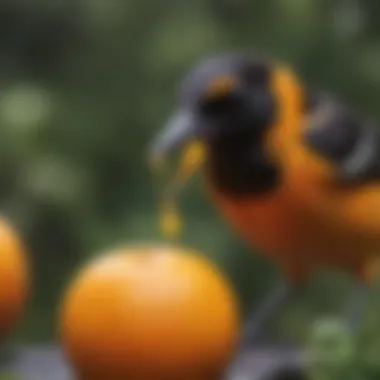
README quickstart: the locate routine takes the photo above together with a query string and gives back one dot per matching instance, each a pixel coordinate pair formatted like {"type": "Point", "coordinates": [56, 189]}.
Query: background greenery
{"type": "Point", "coordinates": [86, 83]}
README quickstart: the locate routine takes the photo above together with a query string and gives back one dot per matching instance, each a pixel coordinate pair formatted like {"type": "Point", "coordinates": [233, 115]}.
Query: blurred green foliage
{"type": "Point", "coordinates": [86, 84]}
{"type": "Point", "coordinates": [7, 376]}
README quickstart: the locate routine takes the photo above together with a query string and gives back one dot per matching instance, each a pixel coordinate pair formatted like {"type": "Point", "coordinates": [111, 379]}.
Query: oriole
{"type": "Point", "coordinates": [292, 171]}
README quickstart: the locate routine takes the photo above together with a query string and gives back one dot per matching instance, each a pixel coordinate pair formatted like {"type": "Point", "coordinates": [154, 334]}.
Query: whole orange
{"type": "Point", "coordinates": [14, 277]}
{"type": "Point", "coordinates": [149, 312]}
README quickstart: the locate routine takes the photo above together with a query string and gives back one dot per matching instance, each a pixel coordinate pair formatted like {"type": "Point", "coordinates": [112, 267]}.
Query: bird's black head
{"type": "Point", "coordinates": [225, 97]}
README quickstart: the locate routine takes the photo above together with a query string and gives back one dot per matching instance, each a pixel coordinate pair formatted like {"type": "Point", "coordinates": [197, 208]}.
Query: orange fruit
{"type": "Point", "coordinates": [149, 312]}
{"type": "Point", "coordinates": [14, 277]}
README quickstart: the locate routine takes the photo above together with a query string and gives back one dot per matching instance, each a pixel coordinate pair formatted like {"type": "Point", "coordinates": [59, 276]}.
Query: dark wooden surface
{"type": "Point", "coordinates": [264, 363]}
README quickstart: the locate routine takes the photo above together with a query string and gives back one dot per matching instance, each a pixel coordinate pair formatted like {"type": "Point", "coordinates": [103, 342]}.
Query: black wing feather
{"type": "Point", "coordinates": [351, 144]}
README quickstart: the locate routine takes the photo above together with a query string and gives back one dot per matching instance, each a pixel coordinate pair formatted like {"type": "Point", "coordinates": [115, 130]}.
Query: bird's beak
{"type": "Point", "coordinates": [178, 131]}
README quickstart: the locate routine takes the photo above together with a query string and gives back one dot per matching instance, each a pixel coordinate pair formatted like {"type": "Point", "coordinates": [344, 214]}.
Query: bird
{"type": "Point", "coordinates": [294, 172]}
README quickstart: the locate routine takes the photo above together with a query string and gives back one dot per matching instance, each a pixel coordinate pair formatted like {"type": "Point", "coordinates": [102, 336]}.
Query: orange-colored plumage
{"type": "Point", "coordinates": [303, 224]}
{"type": "Point", "coordinates": [276, 157]}
{"type": "Point", "coordinates": [299, 240]}
{"type": "Point", "coordinates": [306, 222]}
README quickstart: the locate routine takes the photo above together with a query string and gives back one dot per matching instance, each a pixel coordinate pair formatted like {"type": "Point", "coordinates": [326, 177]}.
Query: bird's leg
{"type": "Point", "coordinates": [280, 295]}
{"type": "Point", "coordinates": [256, 321]}
{"type": "Point", "coordinates": [354, 314]}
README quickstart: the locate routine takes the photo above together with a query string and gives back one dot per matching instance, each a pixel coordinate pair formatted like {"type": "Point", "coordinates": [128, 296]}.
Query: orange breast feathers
{"type": "Point", "coordinates": [300, 240]}
{"type": "Point", "coordinates": [268, 223]}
